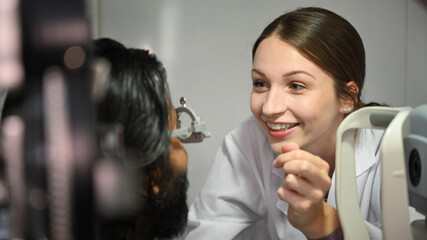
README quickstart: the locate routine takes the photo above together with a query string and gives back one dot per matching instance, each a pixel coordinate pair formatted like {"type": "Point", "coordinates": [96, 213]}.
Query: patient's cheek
{"type": "Point", "coordinates": [178, 155]}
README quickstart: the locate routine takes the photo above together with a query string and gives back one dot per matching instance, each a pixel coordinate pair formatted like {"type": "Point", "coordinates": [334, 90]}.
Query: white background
{"type": "Point", "coordinates": [206, 49]}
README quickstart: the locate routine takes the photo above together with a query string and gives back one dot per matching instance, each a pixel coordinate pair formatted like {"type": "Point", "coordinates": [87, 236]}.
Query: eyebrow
{"type": "Point", "coordinates": [298, 72]}
{"type": "Point", "coordinates": [258, 72]}
{"type": "Point", "coordinates": [289, 74]}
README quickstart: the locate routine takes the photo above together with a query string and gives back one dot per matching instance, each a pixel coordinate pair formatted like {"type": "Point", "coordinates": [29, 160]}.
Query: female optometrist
{"type": "Point", "coordinates": [278, 165]}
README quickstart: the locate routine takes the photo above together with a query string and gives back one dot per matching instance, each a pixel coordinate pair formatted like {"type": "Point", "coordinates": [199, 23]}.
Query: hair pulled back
{"type": "Point", "coordinates": [329, 41]}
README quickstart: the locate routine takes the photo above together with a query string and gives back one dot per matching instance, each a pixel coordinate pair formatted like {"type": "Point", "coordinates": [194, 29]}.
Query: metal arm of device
{"type": "Point", "coordinates": [191, 134]}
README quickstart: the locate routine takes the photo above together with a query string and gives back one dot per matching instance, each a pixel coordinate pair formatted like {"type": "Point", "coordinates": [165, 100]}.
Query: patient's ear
{"type": "Point", "coordinates": [150, 184]}
{"type": "Point", "coordinates": [149, 187]}
{"type": "Point", "coordinates": [349, 101]}
{"type": "Point", "coordinates": [155, 188]}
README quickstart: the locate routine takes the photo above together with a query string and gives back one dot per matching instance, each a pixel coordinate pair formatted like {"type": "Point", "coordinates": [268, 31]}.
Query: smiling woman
{"type": "Point", "coordinates": [294, 97]}
{"type": "Point", "coordinates": [308, 70]}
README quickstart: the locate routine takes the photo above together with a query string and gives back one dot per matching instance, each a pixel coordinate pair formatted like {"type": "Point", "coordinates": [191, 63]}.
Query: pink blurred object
{"type": "Point", "coordinates": [11, 70]}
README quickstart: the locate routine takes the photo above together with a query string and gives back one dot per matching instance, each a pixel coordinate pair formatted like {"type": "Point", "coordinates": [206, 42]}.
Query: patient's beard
{"type": "Point", "coordinates": [165, 216]}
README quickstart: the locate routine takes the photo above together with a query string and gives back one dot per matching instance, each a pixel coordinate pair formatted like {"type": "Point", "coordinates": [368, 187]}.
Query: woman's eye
{"type": "Point", "coordinates": [259, 84]}
{"type": "Point", "coordinates": [296, 87]}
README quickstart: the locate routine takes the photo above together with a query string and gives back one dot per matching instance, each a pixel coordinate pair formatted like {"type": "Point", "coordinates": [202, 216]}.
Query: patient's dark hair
{"type": "Point", "coordinates": [136, 96]}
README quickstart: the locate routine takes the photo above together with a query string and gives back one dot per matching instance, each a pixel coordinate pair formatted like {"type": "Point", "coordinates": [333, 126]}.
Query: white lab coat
{"type": "Point", "coordinates": [241, 188]}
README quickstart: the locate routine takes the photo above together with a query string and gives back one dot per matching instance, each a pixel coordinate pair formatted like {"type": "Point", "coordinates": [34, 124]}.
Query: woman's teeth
{"type": "Point", "coordinates": [281, 126]}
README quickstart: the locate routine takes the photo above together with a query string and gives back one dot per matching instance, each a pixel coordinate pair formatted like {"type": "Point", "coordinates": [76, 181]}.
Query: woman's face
{"type": "Point", "coordinates": [293, 99]}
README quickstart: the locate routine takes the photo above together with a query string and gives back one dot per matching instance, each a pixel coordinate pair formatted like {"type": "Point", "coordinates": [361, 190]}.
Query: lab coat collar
{"type": "Point", "coordinates": [366, 149]}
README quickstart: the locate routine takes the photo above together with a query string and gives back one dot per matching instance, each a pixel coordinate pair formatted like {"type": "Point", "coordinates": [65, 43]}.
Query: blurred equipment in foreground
{"type": "Point", "coordinates": [56, 176]}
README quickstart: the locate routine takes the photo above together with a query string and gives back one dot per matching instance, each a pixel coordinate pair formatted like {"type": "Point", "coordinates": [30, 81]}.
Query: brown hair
{"type": "Point", "coordinates": [329, 41]}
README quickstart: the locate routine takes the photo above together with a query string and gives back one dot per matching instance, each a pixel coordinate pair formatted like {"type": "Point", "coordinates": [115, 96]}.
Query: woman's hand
{"type": "Point", "coordinates": [306, 183]}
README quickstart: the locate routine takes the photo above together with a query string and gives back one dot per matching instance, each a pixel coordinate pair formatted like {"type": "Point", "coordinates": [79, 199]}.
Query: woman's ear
{"type": "Point", "coordinates": [348, 101]}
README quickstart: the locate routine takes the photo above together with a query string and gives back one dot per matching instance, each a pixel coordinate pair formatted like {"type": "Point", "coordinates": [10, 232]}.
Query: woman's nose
{"type": "Point", "coordinates": [275, 102]}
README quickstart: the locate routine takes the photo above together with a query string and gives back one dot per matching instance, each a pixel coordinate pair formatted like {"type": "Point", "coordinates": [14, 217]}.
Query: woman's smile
{"type": "Point", "coordinates": [280, 130]}
{"type": "Point", "coordinates": [281, 133]}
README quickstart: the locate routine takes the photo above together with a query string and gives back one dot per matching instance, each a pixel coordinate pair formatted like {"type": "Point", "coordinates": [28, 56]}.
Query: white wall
{"type": "Point", "coordinates": [416, 65]}
{"type": "Point", "coordinates": [206, 48]}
